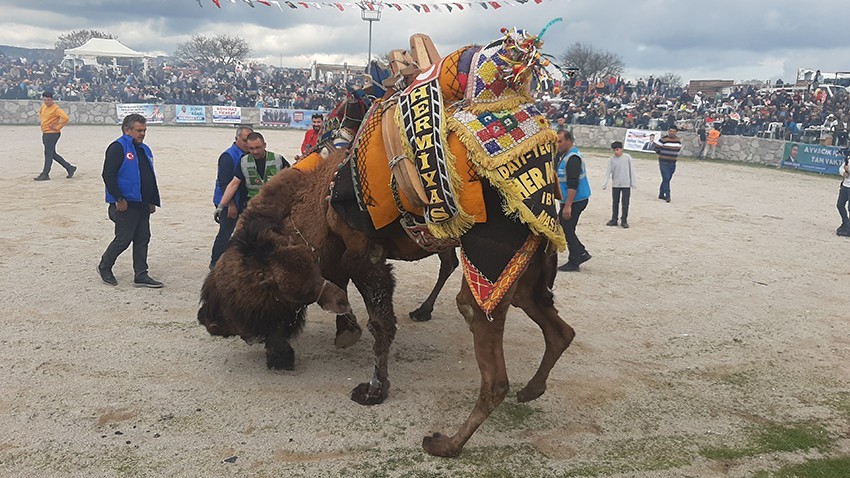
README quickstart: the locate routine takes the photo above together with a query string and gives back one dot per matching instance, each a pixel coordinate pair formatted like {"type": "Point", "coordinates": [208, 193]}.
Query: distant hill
{"type": "Point", "coordinates": [32, 54]}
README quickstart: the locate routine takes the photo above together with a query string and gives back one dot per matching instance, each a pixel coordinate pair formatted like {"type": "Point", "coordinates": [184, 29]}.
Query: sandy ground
{"type": "Point", "coordinates": [714, 315]}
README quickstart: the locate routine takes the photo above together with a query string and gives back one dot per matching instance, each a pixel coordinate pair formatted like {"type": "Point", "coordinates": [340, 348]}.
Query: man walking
{"type": "Point", "coordinates": [228, 163]}
{"type": "Point", "coordinates": [667, 148]}
{"type": "Point", "coordinates": [133, 195]}
{"type": "Point", "coordinates": [53, 119]}
{"type": "Point", "coordinates": [575, 191]}
{"type": "Point", "coordinates": [255, 170]}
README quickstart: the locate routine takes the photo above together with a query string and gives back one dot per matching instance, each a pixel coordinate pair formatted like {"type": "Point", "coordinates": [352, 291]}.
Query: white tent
{"type": "Point", "coordinates": [87, 53]}
{"type": "Point", "coordinates": [107, 47]}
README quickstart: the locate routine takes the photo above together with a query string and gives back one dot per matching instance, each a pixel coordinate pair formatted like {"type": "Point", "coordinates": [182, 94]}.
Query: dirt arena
{"type": "Point", "coordinates": [712, 339]}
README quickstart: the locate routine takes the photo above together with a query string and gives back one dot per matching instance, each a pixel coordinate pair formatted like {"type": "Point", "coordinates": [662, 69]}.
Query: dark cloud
{"type": "Point", "coordinates": [721, 39]}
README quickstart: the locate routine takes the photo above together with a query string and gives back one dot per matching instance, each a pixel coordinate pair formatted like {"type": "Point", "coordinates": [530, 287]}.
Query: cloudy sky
{"type": "Point", "coordinates": [720, 39]}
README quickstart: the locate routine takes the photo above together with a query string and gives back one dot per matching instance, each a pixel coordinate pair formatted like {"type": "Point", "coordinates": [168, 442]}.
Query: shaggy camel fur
{"type": "Point", "coordinates": [296, 202]}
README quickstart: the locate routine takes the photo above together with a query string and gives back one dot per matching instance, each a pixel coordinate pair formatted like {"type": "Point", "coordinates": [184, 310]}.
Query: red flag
{"type": "Point", "coordinates": [425, 7]}
{"type": "Point", "coordinates": [339, 5]}
{"type": "Point", "coordinates": [216, 3]}
{"type": "Point", "coordinates": [538, 1]}
{"type": "Point", "coordinates": [495, 5]}
{"type": "Point", "coordinates": [265, 2]}
{"type": "Point", "coordinates": [459, 6]}
{"type": "Point", "coordinates": [303, 4]}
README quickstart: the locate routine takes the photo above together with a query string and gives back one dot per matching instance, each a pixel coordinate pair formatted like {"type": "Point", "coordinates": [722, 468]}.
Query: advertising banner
{"type": "Point", "coordinates": [288, 118]}
{"type": "Point", "coordinates": [641, 139]}
{"type": "Point", "coordinates": [227, 114]}
{"type": "Point", "coordinates": [812, 157]}
{"type": "Point", "coordinates": [190, 114]}
{"type": "Point", "coordinates": [152, 113]}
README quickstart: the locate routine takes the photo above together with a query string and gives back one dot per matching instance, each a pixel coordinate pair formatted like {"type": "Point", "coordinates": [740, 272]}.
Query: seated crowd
{"type": "Point", "coordinates": [252, 85]}
{"type": "Point", "coordinates": [646, 104]}
{"type": "Point", "coordinates": [747, 110]}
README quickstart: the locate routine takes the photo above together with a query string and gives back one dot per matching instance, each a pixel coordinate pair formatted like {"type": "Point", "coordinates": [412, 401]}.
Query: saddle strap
{"type": "Point", "coordinates": [418, 230]}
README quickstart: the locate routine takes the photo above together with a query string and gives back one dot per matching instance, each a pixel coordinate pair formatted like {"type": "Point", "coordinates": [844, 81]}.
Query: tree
{"type": "Point", "coordinates": [592, 63]}
{"type": "Point", "coordinates": [223, 49]}
{"type": "Point", "coordinates": [671, 79]}
{"type": "Point", "coordinates": [78, 37]}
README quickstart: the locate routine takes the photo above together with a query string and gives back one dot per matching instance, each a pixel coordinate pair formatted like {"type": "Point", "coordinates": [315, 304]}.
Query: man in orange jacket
{"type": "Point", "coordinates": [53, 119]}
{"type": "Point", "coordinates": [712, 140]}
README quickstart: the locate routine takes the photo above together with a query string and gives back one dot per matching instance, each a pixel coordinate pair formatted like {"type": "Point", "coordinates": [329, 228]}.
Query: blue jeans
{"type": "Point", "coordinates": [667, 168]}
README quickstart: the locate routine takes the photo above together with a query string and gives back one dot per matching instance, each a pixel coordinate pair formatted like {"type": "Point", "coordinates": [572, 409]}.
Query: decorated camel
{"type": "Point", "coordinates": [459, 157]}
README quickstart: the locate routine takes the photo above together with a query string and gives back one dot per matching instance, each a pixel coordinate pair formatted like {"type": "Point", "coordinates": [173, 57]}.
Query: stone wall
{"type": "Point", "coordinates": [26, 112]}
{"type": "Point", "coordinates": [732, 148]}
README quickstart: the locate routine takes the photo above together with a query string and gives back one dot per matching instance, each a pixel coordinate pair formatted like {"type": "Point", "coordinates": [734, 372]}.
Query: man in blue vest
{"type": "Point", "coordinates": [132, 195]}
{"type": "Point", "coordinates": [228, 163]}
{"type": "Point", "coordinates": [575, 191]}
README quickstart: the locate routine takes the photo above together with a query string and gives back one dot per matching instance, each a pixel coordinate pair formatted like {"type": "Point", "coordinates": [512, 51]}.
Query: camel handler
{"type": "Point", "coordinates": [255, 169]}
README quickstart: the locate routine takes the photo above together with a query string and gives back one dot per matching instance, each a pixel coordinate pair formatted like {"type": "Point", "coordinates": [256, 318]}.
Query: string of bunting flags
{"type": "Point", "coordinates": [378, 5]}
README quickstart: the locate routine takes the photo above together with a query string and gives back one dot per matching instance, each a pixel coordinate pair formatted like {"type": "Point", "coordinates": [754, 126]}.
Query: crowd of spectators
{"type": "Point", "coordinates": [783, 113]}
{"type": "Point", "coordinates": [248, 85]}
{"type": "Point", "coordinates": [804, 113]}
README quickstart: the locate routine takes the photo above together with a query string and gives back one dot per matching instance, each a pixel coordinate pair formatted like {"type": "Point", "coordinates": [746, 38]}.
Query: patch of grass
{"type": "Point", "coordinates": [650, 453]}
{"type": "Point", "coordinates": [774, 438]}
{"type": "Point", "coordinates": [512, 415]}
{"type": "Point", "coordinates": [820, 468]}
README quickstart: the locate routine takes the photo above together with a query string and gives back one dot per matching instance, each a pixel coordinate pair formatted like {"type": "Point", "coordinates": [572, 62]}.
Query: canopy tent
{"type": "Point", "coordinates": [107, 47]}
{"type": "Point", "coordinates": [88, 53]}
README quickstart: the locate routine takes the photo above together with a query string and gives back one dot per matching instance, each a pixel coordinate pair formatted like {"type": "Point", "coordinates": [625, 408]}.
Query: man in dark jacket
{"type": "Point", "coordinates": [132, 195]}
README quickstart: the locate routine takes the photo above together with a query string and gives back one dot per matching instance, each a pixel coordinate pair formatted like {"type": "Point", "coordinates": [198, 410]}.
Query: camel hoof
{"type": "Point", "coordinates": [439, 445]}
{"type": "Point", "coordinates": [348, 331]}
{"type": "Point", "coordinates": [420, 315]}
{"type": "Point", "coordinates": [347, 338]}
{"type": "Point", "coordinates": [280, 359]}
{"type": "Point", "coordinates": [365, 394]}
{"type": "Point", "coordinates": [527, 394]}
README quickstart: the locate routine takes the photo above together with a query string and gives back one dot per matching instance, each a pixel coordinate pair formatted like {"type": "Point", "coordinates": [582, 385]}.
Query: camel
{"type": "Point", "coordinates": [502, 240]}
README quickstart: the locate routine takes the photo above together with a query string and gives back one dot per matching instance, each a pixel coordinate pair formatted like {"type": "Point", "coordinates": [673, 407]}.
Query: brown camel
{"type": "Point", "coordinates": [293, 209]}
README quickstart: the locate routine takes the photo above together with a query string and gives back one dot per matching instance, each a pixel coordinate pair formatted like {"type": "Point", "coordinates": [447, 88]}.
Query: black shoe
{"type": "Point", "coordinates": [843, 232]}
{"type": "Point", "coordinates": [71, 171]}
{"type": "Point", "coordinates": [41, 177]}
{"type": "Point", "coordinates": [147, 281]}
{"type": "Point", "coordinates": [584, 257]}
{"type": "Point", "coordinates": [624, 224]}
{"type": "Point", "coordinates": [612, 222]}
{"type": "Point", "coordinates": [106, 276]}
{"type": "Point", "coordinates": [667, 199]}
{"type": "Point", "coordinates": [569, 267]}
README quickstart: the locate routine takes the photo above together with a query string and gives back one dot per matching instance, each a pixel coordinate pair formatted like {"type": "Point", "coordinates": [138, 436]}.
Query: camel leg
{"type": "Point", "coordinates": [489, 353]}
{"type": "Point", "coordinates": [375, 283]}
{"type": "Point", "coordinates": [279, 353]}
{"type": "Point", "coordinates": [534, 297]}
{"type": "Point", "coordinates": [448, 263]}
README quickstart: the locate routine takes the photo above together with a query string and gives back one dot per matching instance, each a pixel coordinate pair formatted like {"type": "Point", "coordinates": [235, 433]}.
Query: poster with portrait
{"type": "Point", "coordinates": [288, 118]}
{"type": "Point", "coordinates": [187, 114]}
{"type": "Point", "coordinates": [227, 114]}
{"type": "Point", "coordinates": [812, 157]}
{"type": "Point", "coordinates": [152, 113]}
{"type": "Point", "coordinates": [641, 139]}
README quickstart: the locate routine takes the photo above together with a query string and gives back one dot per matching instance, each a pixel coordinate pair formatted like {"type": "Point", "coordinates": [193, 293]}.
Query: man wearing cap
{"type": "Point", "coordinates": [53, 119]}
